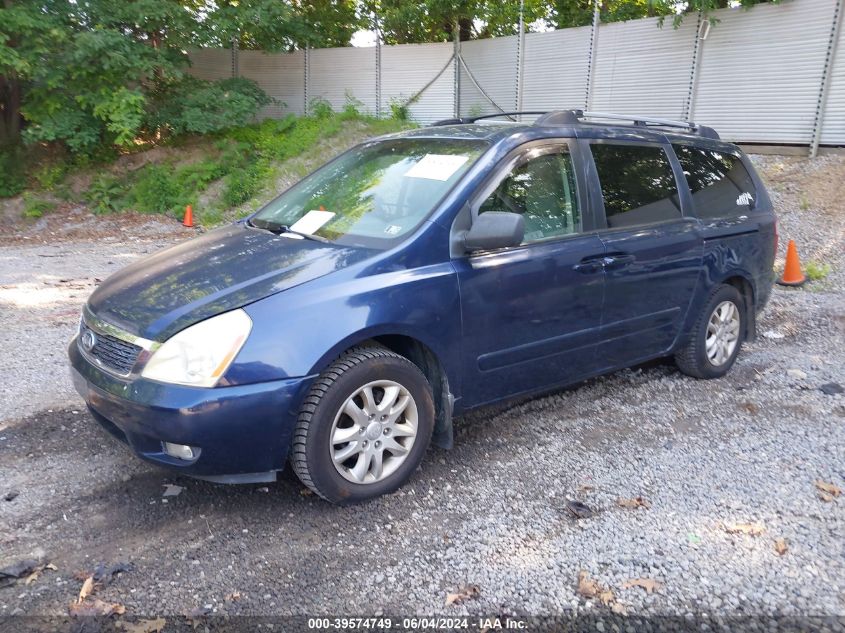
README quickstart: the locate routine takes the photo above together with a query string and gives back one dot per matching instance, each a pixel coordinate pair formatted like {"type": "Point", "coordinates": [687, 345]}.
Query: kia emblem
{"type": "Point", "coordinates": [89, 340]}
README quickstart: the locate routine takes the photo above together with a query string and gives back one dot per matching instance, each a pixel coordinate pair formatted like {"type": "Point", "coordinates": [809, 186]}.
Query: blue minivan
{"type": "Point", "coordinates": [421, 275]}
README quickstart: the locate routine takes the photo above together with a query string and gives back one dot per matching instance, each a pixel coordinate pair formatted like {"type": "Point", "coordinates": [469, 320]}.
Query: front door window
{"type": "Point", "coordinates": [542, 190]}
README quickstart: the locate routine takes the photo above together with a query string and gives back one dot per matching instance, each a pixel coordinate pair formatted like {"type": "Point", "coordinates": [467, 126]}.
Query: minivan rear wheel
{"type": "Point", "coordinates": [364, 426]}
{"type": "Point", "coordinates": [716, 337]}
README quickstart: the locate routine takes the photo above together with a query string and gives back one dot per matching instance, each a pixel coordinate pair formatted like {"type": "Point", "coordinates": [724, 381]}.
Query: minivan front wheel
{"type": "Point", "coordinates": [364, 426]}
{"type": "Point", "coordinates": [717, 336]}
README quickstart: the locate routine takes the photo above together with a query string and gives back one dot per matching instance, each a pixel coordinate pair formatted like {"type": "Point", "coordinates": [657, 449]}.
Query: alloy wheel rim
{"type": "Point", "coordinates": [373, 432]}
{"type": "Point", "coordinates": [722, 333]}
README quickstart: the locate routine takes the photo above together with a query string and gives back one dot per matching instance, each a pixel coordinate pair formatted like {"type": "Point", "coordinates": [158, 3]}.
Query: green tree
{"type": "Point", "coordinates": [92, 73]}
{"type": "Point", "coordinates": [568, 13]}
{"type": "Point", "coordinates": [404, 22]}
{"type": "Point", "coordinates": [275, 25]}
{"type": "Point", "coordinates": [434, 20]}
{"type": "Point", "coordinates": [29, 32]}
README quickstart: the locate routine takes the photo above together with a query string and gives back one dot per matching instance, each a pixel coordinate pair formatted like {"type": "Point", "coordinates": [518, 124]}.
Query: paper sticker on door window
{"type": "Point", "coordinates": [436, 166]}
{"type": "Point", "coordinates": [393, 229]}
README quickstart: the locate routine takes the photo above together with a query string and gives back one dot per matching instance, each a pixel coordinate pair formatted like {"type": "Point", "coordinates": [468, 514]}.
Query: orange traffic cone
{"type": "Point", "coordinates": [189, 217]}
{"type": "Point", "coordinates": [792, 275]}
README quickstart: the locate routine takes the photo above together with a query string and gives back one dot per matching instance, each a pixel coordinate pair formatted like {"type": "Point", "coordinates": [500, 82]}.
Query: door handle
{"type": "Point", "coordinates": [618, 261]}
{"type": "Point", "coordinates": [589, 265]}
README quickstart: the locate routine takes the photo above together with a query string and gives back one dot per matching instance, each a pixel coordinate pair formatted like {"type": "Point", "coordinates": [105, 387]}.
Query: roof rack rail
{"type": "Point", "coordinates": [564, 117]}
{"type": "Point", "coordinates": [473, 119]}
{"type": "Point", "coordinates": [569, 117]}
{"type": "Point", "coordinates": [639, 120]}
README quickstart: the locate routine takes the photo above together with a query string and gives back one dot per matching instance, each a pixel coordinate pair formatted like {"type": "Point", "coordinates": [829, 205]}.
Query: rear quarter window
{"type": "Point", "coordinates": [720, 184]}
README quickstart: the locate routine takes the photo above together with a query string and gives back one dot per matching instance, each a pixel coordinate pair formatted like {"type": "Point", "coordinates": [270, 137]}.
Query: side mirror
{"type": "Point", "coordinates": [495, 229]}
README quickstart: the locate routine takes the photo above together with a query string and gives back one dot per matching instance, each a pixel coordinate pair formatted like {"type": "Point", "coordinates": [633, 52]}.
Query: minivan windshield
{"type": "Point", "coordinates": [373, 195]}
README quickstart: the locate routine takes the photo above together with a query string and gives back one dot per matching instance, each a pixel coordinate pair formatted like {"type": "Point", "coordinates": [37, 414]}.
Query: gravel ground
{"type": "Point", "coordinates": [492, 514]}
{"type": "Point", "coordinates": [42, 289]}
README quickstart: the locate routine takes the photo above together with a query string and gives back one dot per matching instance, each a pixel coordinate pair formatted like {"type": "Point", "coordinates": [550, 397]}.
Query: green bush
{"type": "Point", "coordinates": [58, 119]}
{"type": "Point", "coordinates": [242, 184]}
{"type": "Point", "coordinates": [320, 108]}
{"type": "Point", "coordinates": [12, 179]}
{"type": "Point", "coordinates": [157, 190]}
{"type": "Point", "coordinates": [268, 139]}
{"type": "Point", "coordinates": [105, 194]}
{"type": "Point", "coordinates": [195, 178]}
{"type": "Point", "coordinates": [192, 105]}
{"type": "Point", "coordinates": [475, 110]}
{"type": "Point", "coordinates": [36, 207]}
{"type": "Point", "coordinates": [50, 176]}
{"type": "Point", "coordinates": [399, 109]}
{"type": "Point", "coordinates": [352, 108]}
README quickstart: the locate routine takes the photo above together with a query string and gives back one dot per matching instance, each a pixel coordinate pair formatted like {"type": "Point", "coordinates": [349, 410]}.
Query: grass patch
{"type": "Point", "coordinates": [35, 208]}
{"type": "Point", "coordinates": [816, 271]}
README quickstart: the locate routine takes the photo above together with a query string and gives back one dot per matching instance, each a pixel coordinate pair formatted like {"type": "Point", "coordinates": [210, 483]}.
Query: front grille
{"type": "Point", "coordinates": [112, 352]}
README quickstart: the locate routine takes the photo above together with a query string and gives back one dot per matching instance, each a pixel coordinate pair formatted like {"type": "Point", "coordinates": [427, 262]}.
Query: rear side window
{"type": "Point", "coordinates": [720, 184]}
{"type": "Point", "coordinates": [637, 184]}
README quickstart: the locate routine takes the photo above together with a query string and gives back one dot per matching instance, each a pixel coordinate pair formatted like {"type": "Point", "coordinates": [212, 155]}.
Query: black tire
{"type": "Point", "coordinates": [692, 359]}
{"type": "Point", "coordinates": [310, 456]}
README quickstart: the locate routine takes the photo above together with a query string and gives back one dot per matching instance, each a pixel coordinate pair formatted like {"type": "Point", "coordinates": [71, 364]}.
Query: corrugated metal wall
{"type": "Point", "coordinates": [492, 63]}
{"type": "Point", "coordinates": [756, 77]}
{"type": "Point", "coordinates": [760, 72]}
{"type": "Point", "coordinates": [334, 73]}
{"type": "Point", "coordinates": [643, 69]}
{"type": "Point", "coordinates": [554, 69]}
{"type": "Point", "coordinates": [280, 76]}
{"type": "Point", "coordinates": [833, 128]}
{"type": "Point", "coordinates": [211, 64]}
{"type": "Point", "coordinates": [407, 68]}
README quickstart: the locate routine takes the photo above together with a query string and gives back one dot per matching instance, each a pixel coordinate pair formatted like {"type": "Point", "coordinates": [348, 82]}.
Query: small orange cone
{"type": "Point", "coordinates": [189, 217]}
{"type": "Point", "coordinates": [792, 275]}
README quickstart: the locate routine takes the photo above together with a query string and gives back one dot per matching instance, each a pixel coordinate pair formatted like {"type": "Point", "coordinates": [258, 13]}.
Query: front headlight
{"type": "Point", "coordinates": [200, 354]}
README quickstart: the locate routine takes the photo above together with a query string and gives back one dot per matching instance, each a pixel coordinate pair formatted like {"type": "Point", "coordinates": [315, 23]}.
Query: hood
{"type": "Point", "coordinates": [222, 270]}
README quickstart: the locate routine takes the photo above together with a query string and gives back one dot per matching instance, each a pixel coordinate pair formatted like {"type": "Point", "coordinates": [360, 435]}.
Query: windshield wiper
{"type": "Point", "coordinates": [278, 229]}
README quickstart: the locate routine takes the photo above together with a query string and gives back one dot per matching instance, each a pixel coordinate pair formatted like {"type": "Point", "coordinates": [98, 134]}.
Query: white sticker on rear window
{"type": "Point", "coordinates": [744, 199]}
{"type": "Point", "coordinates": [436, 166]}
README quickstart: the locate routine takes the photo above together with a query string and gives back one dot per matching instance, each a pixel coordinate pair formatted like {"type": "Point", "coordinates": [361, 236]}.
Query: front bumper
{"type": "Point", "coordinates": [242, 433]}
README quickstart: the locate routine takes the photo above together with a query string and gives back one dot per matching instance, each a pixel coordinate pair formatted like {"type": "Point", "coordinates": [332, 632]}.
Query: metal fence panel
{"type": "Point", "coordinates": [334, 73]}
{"type": "Point", "coordinates": [492, 63]}
{"type": "Point", "coordinates": [643, 69]}
{"type": "Point", "coordinates": [280, 75]}
{"type": "Point", "coordinates": [554, 71]}
{"type": "Point", "coordinates": [211, 64]}
{"type": "Point", "coordinates": [407, 68]}
{"type": "Point", "coordinates": [833, 128]}
{"type": "Point", "coordinates": [757, 78]}
{"type": "Point", "coordinates": [760, 71]}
